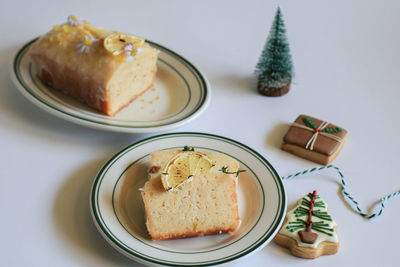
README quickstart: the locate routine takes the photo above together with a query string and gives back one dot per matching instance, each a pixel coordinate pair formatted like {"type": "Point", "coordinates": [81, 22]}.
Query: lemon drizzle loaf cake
{"type": "Point", "coordinates": [104, 69]}
{"type": "Point", "coordinates": [190, 193]}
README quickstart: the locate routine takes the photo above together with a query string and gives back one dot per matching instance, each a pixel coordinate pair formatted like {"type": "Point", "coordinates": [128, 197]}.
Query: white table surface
{"type": "Point", "coordinates": [346, 58]}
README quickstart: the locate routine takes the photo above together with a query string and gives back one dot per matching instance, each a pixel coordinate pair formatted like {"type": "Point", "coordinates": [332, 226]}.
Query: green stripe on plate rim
{"type": "Point", "coordinates": [230, 258]}
{"type": "Point", "coordinates": [145, 258]}
{"type": "Point", "coordinates": [197, 147]}
{"type": "Point", "coordinates": [200, 79]}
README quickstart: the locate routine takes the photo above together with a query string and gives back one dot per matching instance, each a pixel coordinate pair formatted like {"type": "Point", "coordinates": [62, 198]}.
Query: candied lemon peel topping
{"type": "Point", "coordinates": [186, 164]}
{"type": "Point", "coordinates": [117, 42]}
{"type": "Point", "coordinates": [114, 42]}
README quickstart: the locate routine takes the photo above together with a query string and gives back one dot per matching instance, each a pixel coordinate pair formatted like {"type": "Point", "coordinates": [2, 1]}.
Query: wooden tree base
{"type": "Point", "coordinates": [271, 91]}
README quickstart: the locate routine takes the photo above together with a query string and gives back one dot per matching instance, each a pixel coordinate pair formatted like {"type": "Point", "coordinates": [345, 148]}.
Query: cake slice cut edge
{"type": "Point", "coordinates": [206, 204]}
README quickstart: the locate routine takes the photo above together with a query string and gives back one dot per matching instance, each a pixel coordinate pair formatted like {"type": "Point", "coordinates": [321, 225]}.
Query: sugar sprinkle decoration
{"type": "Point", "coordinates": [85, 44]}
{"type": "Point", "coordinates": [353, 203]}
{"type": "Point", "coordinates": [74, 21]}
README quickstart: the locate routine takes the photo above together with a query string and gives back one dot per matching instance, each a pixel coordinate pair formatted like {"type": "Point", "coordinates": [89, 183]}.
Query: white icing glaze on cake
{"type": "Point", "coordinates": [73, 58]}
{"type": "Point", "coordinates": [291, 217]}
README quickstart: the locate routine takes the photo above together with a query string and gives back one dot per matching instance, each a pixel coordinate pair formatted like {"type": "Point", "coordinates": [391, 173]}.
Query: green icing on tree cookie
{"type": "Point", "coordinates": [311, 207]}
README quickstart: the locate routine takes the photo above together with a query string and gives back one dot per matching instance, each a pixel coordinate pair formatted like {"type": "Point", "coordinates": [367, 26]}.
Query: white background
{"type": "Point", "coordinates": [346, 57]}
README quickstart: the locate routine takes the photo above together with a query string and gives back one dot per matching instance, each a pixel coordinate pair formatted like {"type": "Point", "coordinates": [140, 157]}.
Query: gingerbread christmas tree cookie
{"type": "Point", "coordinates": [309, 230]}
{"type": "Point", "coordinates": [314, 139]}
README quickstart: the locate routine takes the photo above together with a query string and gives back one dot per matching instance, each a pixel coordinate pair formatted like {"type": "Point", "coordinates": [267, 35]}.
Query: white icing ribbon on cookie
{"type": "Point", "coordinates": [311, 142]}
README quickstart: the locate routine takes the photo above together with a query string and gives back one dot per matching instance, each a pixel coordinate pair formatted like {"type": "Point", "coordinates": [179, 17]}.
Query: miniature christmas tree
{"type": "Point", "coordinates": [275, 68]}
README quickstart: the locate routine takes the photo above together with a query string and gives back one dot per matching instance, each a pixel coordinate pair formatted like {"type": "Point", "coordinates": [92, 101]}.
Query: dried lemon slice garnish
{"type": "Point", "coordinates": [183, 166]}
{"type": "Point", "coordinates": [116, 42]}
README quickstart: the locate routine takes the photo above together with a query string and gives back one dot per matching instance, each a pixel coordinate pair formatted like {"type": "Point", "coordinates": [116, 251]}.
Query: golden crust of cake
{"type": "Point", "coordinates": [207, 204]}
{"type": "Point", "coordinates": [85, 70]}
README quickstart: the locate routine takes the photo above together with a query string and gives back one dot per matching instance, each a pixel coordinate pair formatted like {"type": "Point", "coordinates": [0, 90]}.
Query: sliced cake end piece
{"type": "Point", "coordinates": [205, 204]}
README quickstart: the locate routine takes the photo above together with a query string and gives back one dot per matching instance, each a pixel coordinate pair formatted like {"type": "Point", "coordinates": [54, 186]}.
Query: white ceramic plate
{"type": "Point", "coordinates": [180, 94]}
{"type": "Point", "coordinates": [118, 212]}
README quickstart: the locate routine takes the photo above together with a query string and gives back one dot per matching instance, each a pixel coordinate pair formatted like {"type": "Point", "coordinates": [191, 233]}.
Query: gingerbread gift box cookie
{"type": "Point", "coordinates": [309, 230]}
{"type": "Point", "coordinates": [314, 139]}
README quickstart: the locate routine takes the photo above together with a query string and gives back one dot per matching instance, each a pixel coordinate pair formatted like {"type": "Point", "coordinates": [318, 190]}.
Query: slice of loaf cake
{"type": "Point", "coordinates": [104, 69]}
{"type": "Point", "coordinates": [205, 204]}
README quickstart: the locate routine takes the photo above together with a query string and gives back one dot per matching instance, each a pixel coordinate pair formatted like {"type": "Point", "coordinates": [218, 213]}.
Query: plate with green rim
{"type": "Point", "coordinates": [118, 212]}
{"type": "Point", "coordinates": [180, 94]}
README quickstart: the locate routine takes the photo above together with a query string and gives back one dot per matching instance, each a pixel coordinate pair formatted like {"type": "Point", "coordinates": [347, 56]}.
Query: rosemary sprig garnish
{"type": "Point", "coordinates": [188, 148]}
{"type": "Point", "coordinates": [225, 170]}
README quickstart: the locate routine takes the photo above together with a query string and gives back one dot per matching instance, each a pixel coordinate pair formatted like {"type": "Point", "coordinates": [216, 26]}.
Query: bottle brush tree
{"type": "Point", "coordinates": [275, 68]}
